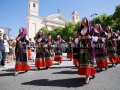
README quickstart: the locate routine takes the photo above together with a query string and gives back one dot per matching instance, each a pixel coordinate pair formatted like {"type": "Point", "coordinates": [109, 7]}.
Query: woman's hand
{"type": "Point", "coordinates": [89, 37]}
{"type": "Point", "coordinates": [100, 38]}
{"type": "Point", "coordinates": [79, 37]}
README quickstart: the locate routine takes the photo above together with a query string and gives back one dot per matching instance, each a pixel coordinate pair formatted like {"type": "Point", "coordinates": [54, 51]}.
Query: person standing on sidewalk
{"type": "Point", "coordinates": [2, 53]}
{"type": "Point", "coordinates": [10, 53]}
{"type": "Point", "coordinates": [6, 50]}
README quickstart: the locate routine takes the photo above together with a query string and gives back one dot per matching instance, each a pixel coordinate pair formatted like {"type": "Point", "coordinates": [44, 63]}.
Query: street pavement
{"type": "Point", "coordinates": [57, 77]}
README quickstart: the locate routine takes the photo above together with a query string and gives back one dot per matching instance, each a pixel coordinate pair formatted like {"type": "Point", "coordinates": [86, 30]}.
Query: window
{"type": "Point", "coordinates": [73, 17]}
{"type": "Point", "coordinates": [34, 5]}
{"type": "Point", "coordinates": [76, 17]}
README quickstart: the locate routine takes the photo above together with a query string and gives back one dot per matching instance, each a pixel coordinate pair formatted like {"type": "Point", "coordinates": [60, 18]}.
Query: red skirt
{"type": "Point", "coordinates": [22, 66]}
{"type": "Point", "coordinates": [58, 58]}
{"type": "Point", "coordinates": [75, 62]}
{"type": "Point", "coordinates": [102, 64]}
{"type": "Point", "coordinates": [118, 59]}
{"type": "Point", "coordinates": [113, 59]}
{"type": "Point", "coordinates": [70, 56]}
{"type": "Point", "coordinates": [49, 62]}
{"type": "Point", "coordinates": [29, 54]}
{"type": "Point", "coordinates": [40, 63]}
{"type": "Point", "coordinates": [86, 70]}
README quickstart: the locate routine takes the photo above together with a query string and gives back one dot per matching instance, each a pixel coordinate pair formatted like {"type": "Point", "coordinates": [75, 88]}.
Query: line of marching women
{"type": "Point", "coordinates": [47, 50]}
{"type": "Point", "coordinates": [90, 44]}
{"type": "Point", "coordinates": [94, 43]}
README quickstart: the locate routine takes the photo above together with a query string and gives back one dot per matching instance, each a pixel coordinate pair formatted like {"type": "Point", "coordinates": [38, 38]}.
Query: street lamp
{"type": "Point", "coordinates": [95, 14]}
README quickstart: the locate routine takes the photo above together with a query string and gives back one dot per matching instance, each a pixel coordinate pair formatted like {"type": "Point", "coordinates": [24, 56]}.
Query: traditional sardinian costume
{"type": "Point", "coordinates": [58, 51]}
{"type": "Point", "coordinates": [21, 52]}
{"type": "Point", "coordinates": [40, 52]}
{"type": "Point", "coordinates": [86, 51]}
{"type": "Point", "coordinates": [101, 59]}
{"type": "Point", "coordinates": [75, 51]}
{"type": "Point", "coordinates": [70, 50]}
{"type": "Point", "coordinates": [118, 48]}
{"type": "Point", "coordinates": [49, 53]}
{"type": "Point", "coordinates": [111, 47]}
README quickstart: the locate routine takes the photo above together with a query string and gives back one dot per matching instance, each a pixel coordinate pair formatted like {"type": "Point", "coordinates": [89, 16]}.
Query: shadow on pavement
{"type": "Point", "coordinates": [66, 72]}
{"type": "Point", "coordinates": [9, 70]}
{"type": "Point", "coordinates": [70, 82]}
{"type": "Point", "coordinates": [6, 74]}
{"type": "Point", "coordinates": [67, 60]}
{"type": "Point", "coordinates": [61, 67]}
{"type": "Point", "coordinates": [9, 74]}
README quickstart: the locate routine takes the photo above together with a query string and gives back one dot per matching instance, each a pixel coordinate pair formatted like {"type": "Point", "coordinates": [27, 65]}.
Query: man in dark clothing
{"type": "Point", "coordinates": [2, 51]}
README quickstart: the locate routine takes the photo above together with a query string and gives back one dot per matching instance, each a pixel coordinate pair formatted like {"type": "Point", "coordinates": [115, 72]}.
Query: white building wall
{"type": "Point", "coordinates": [5, 31]}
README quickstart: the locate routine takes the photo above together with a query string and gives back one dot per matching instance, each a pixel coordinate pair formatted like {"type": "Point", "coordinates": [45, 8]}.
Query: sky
{"type": "Point", "coordinates": [13, 12]}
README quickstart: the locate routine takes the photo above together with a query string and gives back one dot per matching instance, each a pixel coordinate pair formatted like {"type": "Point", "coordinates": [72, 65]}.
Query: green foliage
{"type": "Point", "coordinates": [66, 32]}
{"type": "Point", "coordinates": [109, 20]}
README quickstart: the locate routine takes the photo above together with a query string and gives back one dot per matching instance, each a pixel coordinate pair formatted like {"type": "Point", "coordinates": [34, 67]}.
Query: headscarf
{"type": "Point", "coordinates": [43, 35]}
{"type": "Point", "coordinates": [111, 31]}
{"type": "Point", "coordinates": [88, 24]}
{"type": "Point", "coordinates": [60, 39]}
{"type": "Point", "coordinates": [24, 33]}
{"type": "Point", "coordinates": [100, 29]}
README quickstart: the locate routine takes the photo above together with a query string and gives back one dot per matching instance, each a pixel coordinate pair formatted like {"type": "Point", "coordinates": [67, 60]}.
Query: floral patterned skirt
{"type": "Point", "coordinates": [21, 65]}
{"type": "Point", "coordinates": [86, 66]}
{"type": "Point", "coordinates": [70, 53]}
{"type": "Point", "coordinates": [101, 60]}
{"type": "Point", "coordinates": [58, 56]}
{"type": "Point", "coordinates": [75, 56]}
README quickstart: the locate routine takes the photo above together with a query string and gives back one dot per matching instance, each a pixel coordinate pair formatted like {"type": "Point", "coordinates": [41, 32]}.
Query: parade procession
{"type": "Point", "coordinates": [90, 46]}
{"type": "Point", "coordinates": [41, 49]}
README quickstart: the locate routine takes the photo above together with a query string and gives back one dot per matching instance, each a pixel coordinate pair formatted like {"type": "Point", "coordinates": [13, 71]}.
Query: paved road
{"type": "Point", "coordinates": [58, 77]}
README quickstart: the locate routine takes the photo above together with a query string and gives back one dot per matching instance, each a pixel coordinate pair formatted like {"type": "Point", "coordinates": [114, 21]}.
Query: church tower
{"type": "Point", "coordinates": [32, 19]}
{"type": "Point", "coordinates": [33, 7]}
{"type": "Point", "coordinates": [75, 17]}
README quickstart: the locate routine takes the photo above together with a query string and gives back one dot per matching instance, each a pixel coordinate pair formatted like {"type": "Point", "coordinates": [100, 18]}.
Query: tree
{"type": "Point", "coordinates": [55, 32]}
{"type": "Point", "coordinates": [104, 20]}
{"type": "Point", "coordinates": [45, 30]}
{"type": "Point", "coordinates": [77, 26]}
{"type": "Point", "coordinates": [68, 31]}
{"type": "Point", "coordinates": [116, 13]}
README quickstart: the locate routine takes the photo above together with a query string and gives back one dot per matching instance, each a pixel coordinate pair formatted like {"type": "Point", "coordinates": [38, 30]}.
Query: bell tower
{"type": "Point", "coordinates": [75, 17]}
{"type": "Point", "coordinates": [33, 7]}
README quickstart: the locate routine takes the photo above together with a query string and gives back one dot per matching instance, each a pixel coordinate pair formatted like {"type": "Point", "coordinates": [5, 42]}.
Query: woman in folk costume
{"type": "Point", "coordinates": [75, 51]}
{"type": "Point", "coordinates": [86, 53]}
{"type": "Point", "coordinates": [101, 59]}
{"type": "Point", "coordinates": [58, 50]}
{"type": "Point", "coordinates": [49, 52]}
{"type": "Point", "coordinates": [111, 46]}
{"type": "Point", "coordinates": [70, 49]}
{"type": "Point", "coordinates": [21, 52]}
{"type": "Point", "coordinates": [40, 50]}
{"type": "Point", "coordinates": [118, 45]}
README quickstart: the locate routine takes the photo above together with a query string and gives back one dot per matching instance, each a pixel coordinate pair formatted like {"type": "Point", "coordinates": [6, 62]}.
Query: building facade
{"type": "Point", "coordinates": [5, 31]}
{"type": "Point", "coordinates": [34, 22]}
